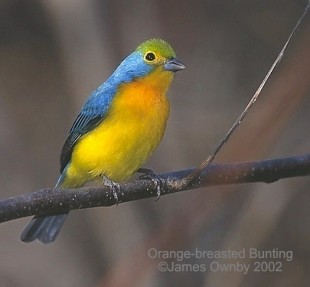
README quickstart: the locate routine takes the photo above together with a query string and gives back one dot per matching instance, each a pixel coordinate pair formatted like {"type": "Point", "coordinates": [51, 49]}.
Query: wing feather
{"type": "Point", "coordinates": [85, 125]}
{"type": "Point", "coordinates": [92, 114]}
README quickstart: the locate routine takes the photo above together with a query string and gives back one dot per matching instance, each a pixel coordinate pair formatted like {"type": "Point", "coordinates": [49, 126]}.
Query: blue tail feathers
{"type": "Point", "coordinates": [45, 228]}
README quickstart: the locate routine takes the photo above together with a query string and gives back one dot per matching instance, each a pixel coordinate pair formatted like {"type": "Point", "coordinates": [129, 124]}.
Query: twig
{"type": "Point", "coordinates": [182, 183]}
{"type": "Point", "coordinates": [49, 201]}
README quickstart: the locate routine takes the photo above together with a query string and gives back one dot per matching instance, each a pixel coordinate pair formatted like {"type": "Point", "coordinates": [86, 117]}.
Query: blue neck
{"type": "Point", "coordinates": [131, 68]}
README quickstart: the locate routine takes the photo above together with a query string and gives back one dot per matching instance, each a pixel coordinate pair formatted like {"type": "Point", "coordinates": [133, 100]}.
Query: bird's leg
{"type": "Point", "coordinates": [113, 185]}
{"type": "Point", "coordinates": [150, 174]}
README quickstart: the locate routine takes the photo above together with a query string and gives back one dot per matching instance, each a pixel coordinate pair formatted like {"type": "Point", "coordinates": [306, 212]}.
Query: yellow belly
{"type": "Point", "coordinates": [124, 140]}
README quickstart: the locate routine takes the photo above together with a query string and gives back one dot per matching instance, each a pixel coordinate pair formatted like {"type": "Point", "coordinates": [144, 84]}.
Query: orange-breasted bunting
{"type": "Point", "coordinates": [117, 129]}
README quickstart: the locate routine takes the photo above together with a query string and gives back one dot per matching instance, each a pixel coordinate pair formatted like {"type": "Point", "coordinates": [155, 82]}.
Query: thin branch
{"type": "Point", "coordinates": [182, 183]}
{"type": "Point", "coordinates": [49, 201]}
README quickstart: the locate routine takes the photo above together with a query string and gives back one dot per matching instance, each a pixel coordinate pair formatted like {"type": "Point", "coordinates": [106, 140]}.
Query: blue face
{"type": "Point", "coordinates": [132, 67]}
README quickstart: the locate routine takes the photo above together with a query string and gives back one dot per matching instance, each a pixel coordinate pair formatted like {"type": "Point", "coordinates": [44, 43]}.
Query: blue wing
{"type": "Point", "coordinates": [97, 105]}
{"type": "Point", "coordinates": [92, 113]}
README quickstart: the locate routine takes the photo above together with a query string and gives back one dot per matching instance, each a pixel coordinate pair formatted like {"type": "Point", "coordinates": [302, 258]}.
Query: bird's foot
{"type": "Point", "coordinates": [114, 186]}
{"type": "Point", "coordinates": [155, 178]}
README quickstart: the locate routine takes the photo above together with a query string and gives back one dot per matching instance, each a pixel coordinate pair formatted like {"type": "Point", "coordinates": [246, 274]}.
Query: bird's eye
{"type": "Point", "coordinates": [150, 56]}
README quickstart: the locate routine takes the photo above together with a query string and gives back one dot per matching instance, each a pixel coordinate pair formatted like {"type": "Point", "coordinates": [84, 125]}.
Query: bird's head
{"type": "Point", "coordinates": [158, 53]}
{"type": "Point", "coordinates": [152, 55]}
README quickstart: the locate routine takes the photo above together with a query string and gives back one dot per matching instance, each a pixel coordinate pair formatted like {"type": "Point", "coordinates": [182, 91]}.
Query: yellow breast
{"type": "Point", "coordinates": [131, 130]}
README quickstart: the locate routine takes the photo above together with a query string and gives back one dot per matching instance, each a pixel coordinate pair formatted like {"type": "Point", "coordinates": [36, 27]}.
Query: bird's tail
{"type": "Point", "coordinates": [44, 228]}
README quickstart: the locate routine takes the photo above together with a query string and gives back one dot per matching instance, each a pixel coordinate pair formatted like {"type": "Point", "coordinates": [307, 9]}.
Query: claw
{"type": "Point", "coordinates": [156, 179]}
{"type": "Point", "coordinates": [114, 186]}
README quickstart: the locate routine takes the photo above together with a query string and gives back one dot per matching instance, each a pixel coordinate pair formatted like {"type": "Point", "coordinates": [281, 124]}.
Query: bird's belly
{"type": "Point", "coordinates": [121, 144]}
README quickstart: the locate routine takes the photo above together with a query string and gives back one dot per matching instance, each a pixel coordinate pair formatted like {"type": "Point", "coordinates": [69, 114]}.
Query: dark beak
{"type": "Point", "coordinates": [174, 65]}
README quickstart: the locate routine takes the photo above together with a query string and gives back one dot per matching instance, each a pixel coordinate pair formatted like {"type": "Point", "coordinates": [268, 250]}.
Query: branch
{"type": "Point", "coordinates": [49, 201]}
{"type": "Point", "coordinates": [181, 184]}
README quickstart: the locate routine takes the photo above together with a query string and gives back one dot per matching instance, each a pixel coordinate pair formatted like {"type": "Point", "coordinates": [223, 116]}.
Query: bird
{"type": "Point", "coordinates": [118, 128]}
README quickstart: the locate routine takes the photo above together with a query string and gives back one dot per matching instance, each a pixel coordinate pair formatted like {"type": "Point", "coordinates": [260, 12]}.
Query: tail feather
{"type": "Point", "coordinates": [45, 229]}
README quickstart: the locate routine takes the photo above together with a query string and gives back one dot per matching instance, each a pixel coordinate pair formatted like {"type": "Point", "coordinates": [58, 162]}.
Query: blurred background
{"type": "Point", "coordinates": [54, 53]}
